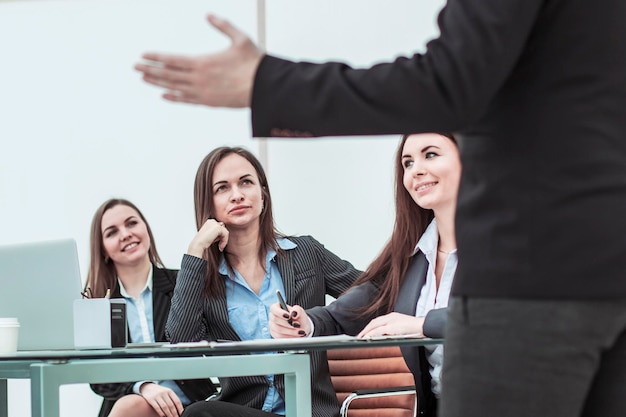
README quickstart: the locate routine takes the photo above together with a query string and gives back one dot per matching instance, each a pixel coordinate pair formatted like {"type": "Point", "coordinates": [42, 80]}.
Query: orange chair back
{"type": "Point", "coordinates": [371, 368]}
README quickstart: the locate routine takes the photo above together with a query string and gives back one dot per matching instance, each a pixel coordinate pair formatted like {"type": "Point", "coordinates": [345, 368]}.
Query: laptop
{"type": "Point", "coordinates": [38, 284]}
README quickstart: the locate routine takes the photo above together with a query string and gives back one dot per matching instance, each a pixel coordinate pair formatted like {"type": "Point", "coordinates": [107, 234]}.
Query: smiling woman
{"type": "Point", "coordinates": [406, 288]}
{"type": "Point", "coordinates": [124, 261]}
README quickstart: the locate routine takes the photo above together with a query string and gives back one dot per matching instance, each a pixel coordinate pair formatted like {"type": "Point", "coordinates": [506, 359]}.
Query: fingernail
{"type": "Point", "coordinates": [296, 325]}
{"type": "Point", "coordinates": [294, 313]}
{"type": "Point", "coordinates": [301, 332]}
{"type": "Point", "coordinates": [286, 315]}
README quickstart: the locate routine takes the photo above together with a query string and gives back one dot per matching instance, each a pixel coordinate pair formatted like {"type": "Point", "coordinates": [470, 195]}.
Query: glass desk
{"type": "Point", "coordinates": [48, 370]}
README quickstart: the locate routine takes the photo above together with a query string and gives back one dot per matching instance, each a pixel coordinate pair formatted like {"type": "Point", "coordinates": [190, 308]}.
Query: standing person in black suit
{"type": "Point", "coordinates": [229, 277]}
{"type": "Point", "coordinates": [405, 289]}
{"type": "Point", "coordinates": [535, 90]}
{"type": "Point", "coordinates": [124, 261]}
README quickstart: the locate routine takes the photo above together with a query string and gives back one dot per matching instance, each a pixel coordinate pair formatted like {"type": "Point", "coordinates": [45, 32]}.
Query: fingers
{"type": "Point", "coordinates": [163, 401]}
{"type": "Point", "coordinates": [382, 325]}
{"type": "Point", "coordinates": [222, 236]}
{"type": "Point", "coordinates": [223, 240]}
{"type": "Point", "coordinates": [212, 231]}
{"type": "Point", "coordinates": [225, 27]}
{"type": "Point", "coordinates": [180, 97]}
{"type": "Point", "coordinates": [165, 407]}
{"type": "Point", "coordinates": [393, 324]}
{"type": "Point", "coordinates": [167, 78]}
{"type": "Point", "coordinates": [373, 328]}
{"type": "Point", "coordinates": [279, 322]}
{"type": "Point", "coordinates": [166, 61]}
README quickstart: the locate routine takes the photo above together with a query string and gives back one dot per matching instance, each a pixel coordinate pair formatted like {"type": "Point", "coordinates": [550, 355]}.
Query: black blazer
{"type": "Point", "coordinates": [535, 90]}
{"type": "Point", "coordinates": [308, 272]}
{"type": "Point", "coordinates": [163, 282]}
{"type": "Point", "coordinates": [341, 317]}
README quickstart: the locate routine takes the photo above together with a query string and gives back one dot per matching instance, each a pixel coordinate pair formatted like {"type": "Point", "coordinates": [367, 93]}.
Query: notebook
{"type": "Point", "coordinates": [38, 284]}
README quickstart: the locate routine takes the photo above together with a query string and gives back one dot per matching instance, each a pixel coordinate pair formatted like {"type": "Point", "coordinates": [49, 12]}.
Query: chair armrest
{"type": "Point", "coordinates": [372, 393]}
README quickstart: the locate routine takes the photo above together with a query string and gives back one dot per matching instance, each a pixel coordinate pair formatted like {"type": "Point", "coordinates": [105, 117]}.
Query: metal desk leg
{"type": "Point", "coordinates": [4, 399]}
{"type": "Point", "coordinates": [298, 389]}
{"type": "Point", "coordinates": [44, 393]}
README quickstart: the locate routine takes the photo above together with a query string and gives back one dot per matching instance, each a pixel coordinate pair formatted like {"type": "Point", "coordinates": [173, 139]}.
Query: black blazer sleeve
{"type": "Point", "coordinates": [441, 90]}
{"type": "Point", "coordinates": [342, 316]}
{"type": "Point", "coordinates": [435, 323]}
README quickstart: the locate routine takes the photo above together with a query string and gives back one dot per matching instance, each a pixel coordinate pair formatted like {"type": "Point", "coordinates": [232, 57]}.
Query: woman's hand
{"type": "Point", "coordinates": [393, 324]}
{"type": "Point", "coordinates": [211, 231]}
{"type": "Point", "coordinates": [163, 400]}
{"type": "Point", "coordinates": [294, 323]}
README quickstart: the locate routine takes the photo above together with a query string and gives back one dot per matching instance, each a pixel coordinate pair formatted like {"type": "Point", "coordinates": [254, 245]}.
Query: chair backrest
{"type": "Point", "coordinates": [367, 369]}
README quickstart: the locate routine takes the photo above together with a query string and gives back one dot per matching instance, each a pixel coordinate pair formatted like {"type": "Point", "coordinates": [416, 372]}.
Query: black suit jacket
{"type": "Point", "coordinates": [163, 282]}
{"type": "Point", "coordinates": [536, 91]}
{"type": "Point", "coordinates": [308, 272]}
{"type": "Point", "coordinates": [341, 316]}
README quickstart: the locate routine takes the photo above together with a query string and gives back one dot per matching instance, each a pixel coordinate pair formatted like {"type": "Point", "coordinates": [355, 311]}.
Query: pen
{"type": "Point", "coordinates": [108, 294]}
{"type": "Point", "coordinates": [283, 304]}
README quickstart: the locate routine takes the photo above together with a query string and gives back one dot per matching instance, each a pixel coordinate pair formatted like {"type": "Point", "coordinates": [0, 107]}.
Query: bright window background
{"type": "Point", "coordinates": [77, 126]}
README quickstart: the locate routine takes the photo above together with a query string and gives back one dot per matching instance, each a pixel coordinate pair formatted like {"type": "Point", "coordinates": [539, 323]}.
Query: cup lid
{"type": "Point", "coordinates": [8, 320]}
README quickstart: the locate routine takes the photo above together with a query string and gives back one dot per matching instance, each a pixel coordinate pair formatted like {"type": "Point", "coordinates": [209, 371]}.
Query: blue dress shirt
{"type": "Point", "coordinates": [139, 315]}
{"type": "Point", "coordinates": [248, 312]}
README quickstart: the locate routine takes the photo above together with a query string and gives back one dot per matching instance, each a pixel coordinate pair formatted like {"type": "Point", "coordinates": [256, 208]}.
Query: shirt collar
{"type": "Point", "coordinates": [429, 240]}
{"type": "Point", "coordinates": [283, 243]}
{"type": "Point", "coordinates": [148, 285]}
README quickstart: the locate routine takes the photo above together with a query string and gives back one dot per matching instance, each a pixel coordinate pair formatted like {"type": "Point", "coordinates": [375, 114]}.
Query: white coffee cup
{"type": "Point", "coordinates": [9, 327]}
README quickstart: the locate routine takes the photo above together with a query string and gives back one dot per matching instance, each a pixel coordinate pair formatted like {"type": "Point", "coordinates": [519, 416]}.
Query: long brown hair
{"type": "Point", "coordinates": [389, 268]}
{"type": "Point", "coordinates": [102, 274]}
{"type": "Point", "coordinates": [203, 201]}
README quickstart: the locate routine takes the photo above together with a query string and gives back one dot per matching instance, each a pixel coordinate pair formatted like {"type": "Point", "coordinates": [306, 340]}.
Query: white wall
{"type": "Point", "coordinates": [77, 125]}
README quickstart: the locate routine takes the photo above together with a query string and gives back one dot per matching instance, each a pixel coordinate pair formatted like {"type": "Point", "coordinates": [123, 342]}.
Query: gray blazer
{"type": "Point", "coordinates": [309, 272]}
{"type": "Point", "coordinates": [342, 316]}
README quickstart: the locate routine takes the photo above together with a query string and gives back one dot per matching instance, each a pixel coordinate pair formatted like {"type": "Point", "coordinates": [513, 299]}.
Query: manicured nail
{"type": "Point", "coordinates": [294, 313]}
{"type": "Point", "coordinates": [301, 332]}
{"type": "Point", "coordinates": [286, 315]}
{"type": "Point", "coordinates": [296, 325]}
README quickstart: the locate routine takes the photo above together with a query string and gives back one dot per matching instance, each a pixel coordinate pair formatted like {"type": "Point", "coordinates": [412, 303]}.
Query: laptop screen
{"type": "Point", "coordinates": [38, 284]}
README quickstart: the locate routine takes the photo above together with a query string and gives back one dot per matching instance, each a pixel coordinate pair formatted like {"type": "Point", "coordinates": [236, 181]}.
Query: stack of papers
{"type": "Point", "coordinates": [294, 342]}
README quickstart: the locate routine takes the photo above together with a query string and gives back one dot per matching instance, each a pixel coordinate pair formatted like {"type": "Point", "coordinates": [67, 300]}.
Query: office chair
{"type": "Point", "coordinates": [372, 382]}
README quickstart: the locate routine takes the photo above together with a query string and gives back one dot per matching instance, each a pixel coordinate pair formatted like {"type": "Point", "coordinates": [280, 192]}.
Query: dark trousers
{"type": "Point", "coordinates": [223, 409]}
{"type": "Point", "coordinates": [510, 358]}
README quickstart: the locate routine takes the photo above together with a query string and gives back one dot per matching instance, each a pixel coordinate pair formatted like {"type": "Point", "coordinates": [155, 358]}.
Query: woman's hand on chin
{"type": "Point", "coordinates": [212, 231]}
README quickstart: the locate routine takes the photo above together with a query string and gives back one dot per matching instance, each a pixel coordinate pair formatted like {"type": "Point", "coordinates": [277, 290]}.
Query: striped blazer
{"type": "Point", "coordinates": [308, 272]}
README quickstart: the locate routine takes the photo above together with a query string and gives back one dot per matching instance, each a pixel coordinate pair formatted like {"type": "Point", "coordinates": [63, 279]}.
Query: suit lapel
{"type": "Point", "coordinates": [412, 285]}
{"type": "Point", "coordinates": [162, 289]}
{"type": "Point", "coordinates": [407, 304]}
{"type": "Point", "coordinates": [288, 276]}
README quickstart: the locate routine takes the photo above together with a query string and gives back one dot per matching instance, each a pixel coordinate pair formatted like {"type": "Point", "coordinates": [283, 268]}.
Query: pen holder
{"type": "Point", "coordinates": [100, 323]}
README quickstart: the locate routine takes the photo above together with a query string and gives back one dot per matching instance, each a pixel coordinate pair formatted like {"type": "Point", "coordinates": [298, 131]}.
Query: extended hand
{"type": "Point", "coordinates": [393, 324]}
{"type": "Point", "coordinates": [163, 400]}
{"type": "Point", "coordinates": [222, 79]}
